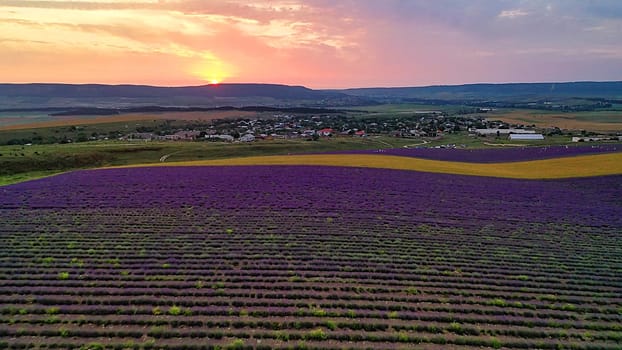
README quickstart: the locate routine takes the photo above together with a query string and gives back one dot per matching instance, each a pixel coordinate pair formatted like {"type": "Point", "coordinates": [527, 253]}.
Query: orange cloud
{"type": "Point", "coordinates": [318, 43]}
{"type": "Point", "coordinates": [219, 40]}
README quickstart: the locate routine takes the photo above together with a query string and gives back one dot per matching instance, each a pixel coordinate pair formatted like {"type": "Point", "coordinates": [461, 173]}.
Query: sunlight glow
{"type": "Point", "coordinates": [212, 70]}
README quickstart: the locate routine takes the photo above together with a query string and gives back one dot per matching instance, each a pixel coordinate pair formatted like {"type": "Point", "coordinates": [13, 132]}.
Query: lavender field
{"type": "Point", "coordinates": [301, 257]}
{"type": "Point", "coordinates": [493, 155]}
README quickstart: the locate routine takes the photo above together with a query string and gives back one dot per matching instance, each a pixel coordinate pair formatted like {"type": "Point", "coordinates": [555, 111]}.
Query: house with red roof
{"type": "Point", "coordinates": [326, 132]}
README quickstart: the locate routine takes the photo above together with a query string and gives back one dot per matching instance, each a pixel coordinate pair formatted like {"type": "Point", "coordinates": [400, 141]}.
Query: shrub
{"type": "Point", "coordinates": [498, 302]}
{"type": "Point", "coordinates": [63, 332]}
{"type": "Point", "coordinates": [48, 260]}
{"type": "Point", "coordinates": [402, 337]}
{"type": "Point", "coordinates": [237, 344]}
{"type": "Point", "coordinates": [63, 275]}
{"type": "Point", "coordinates": [51, 320]}
{"type": "Point", "coordinates": [317, 312]}
{"type": "Point", "coordinates": [455, 327]}
{"type": "Point", "coordinates": [548, 297]}
{"type": "Point", "coordinates": [174, 310]}
{"type": "Point", "coordinates": [412, 291]}
{"type": "Point", "coordinates": [282, 336]}
{"type": "Point", "coordinates": [316, 334]}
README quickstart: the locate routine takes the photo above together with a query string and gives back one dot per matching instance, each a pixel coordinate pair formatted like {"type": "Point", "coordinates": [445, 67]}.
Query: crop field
{"type": "Point", "coordinates": [554, 168]}
{"type": "Point", "coordinates": [23, 162]}
{"type": "Point", "coordinates": [12, 122]}
{"type": "Point", "coordinates": [310, 257]}
{"type": "Point", "coordinates": [492, 155]}
{"type": "Point", "coordinates": [402, 109]}
{"type": "Point", "coordinates": [595, 120]}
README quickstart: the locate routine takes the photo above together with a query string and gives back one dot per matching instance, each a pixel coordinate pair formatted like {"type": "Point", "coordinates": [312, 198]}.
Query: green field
{"type": "Point", "coordinates": [404, 109]}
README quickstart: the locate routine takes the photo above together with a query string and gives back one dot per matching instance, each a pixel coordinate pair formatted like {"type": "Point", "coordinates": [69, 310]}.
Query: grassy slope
{"type": "Point", "coordinates": [42, 121]}
{"type": "Point", "coordinates": [20, 163]}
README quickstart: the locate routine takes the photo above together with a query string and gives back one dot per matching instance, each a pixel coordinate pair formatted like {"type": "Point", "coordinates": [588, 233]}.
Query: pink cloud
{"type": "Point", "coordinates": [318, 43]}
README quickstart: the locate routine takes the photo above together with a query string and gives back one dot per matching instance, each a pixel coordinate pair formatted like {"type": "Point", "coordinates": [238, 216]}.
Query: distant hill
{"type": "Point", "coordinates": [97, 95]}
{"type": "Point", "coordinates": [220, 90]}
{"type": "Point", "coordinates": [73, 97]}
{"type": "Point", "coordinates": [611, 90]}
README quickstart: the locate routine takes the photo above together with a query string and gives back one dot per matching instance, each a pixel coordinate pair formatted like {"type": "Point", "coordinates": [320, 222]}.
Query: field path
{"type": "Point", "coordinates": [503, 144]}
{"type": "Point", "coordinates": [383, 142]}
{"type": "Point", "coordinates": [166, 156]}
{"type": "Point", "coordinates": [423, 142]}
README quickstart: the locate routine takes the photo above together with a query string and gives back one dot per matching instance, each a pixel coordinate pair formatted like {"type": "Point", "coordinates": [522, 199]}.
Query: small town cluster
{"type": "Point", "coordinates": [285, 126]}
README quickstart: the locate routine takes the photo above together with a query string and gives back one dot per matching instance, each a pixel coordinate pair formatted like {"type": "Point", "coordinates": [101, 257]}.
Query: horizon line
{"type": "Point", "coordinates": [313, 88]}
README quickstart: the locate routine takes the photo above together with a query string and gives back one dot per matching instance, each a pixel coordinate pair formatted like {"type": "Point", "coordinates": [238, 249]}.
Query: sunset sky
{"type": "Point", "coordinates": [316, 43]}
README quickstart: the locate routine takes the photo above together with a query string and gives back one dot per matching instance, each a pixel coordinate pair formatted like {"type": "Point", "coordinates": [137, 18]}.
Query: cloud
{"type": "Point", "coordinates": [512, 13]}
{"type": "Point", "coordinates": [322, 43]}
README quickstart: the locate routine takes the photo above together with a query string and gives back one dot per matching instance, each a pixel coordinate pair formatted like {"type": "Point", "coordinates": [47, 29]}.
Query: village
{"type": "Point", "coordinates": [312, 127]}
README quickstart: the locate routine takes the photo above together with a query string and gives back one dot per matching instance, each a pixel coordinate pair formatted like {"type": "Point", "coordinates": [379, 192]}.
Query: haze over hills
{"type": "Point", "coordinates": [609, 90]}
{"type": "Point", "coordinates": [39, 95]}
{"type": "Point", "coordinates": [97, 95]}
{"type": "Point", "coordinates": [213, 90]}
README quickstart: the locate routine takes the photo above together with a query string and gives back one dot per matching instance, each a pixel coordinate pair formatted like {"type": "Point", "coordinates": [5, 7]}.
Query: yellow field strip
{"type": "Point", "coordinates": [557, 168]}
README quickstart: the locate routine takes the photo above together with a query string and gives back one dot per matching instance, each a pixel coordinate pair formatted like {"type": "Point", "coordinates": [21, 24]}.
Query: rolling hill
{"type": "Point", "coordinates": [606, 90]}
{"type": "Point", "coordinates": [97, 95]}
{"type": "Point", "coordinates": [43, 95]}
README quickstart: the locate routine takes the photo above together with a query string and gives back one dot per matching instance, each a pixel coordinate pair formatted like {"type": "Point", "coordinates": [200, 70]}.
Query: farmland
{"type": "Point", "coordinates": [311, 256]}
{"type": "Point", "coordinates": [585, 166]}
{"type": "Point", "coordinates": [603, 121]}
{"type": "Point", "coordinates": [19, 121]}
{"type": "Point", "coordinates": [18, 163]}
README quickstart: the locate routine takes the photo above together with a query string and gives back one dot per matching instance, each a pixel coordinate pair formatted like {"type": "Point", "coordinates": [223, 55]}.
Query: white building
{"type": "Point", "coordinates": [503, 131]}
{"type": "Point", "coordinates": [227, 138]}
{"type": "Point", "coordinates": [596, 138]}
{"type": "Point", "coordinates": [526, 137]}
{"type": "Point", "coordinates": [247, 138]}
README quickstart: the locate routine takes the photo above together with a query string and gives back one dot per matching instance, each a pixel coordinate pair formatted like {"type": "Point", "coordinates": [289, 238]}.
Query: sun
{"type": "Point", "coordinates": [212, 70]}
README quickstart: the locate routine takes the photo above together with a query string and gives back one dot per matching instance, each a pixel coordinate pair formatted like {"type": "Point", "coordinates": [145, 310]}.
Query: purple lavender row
{"type": "Point", "coordinates": [492, 155]}
{"type": "Point", "coordinates": [589, 201]}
